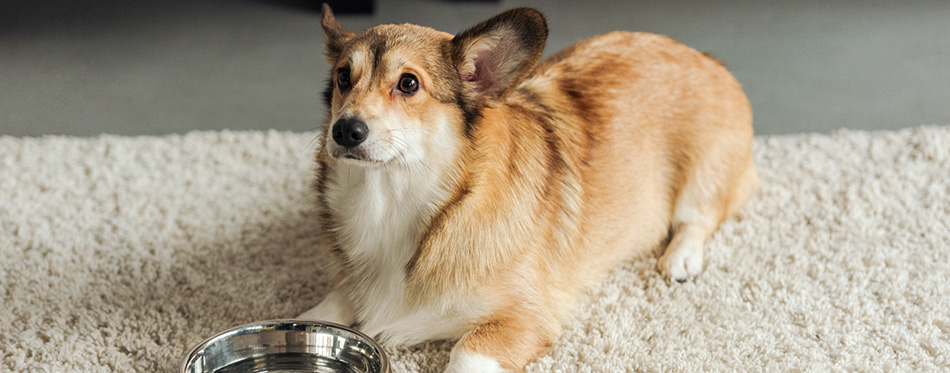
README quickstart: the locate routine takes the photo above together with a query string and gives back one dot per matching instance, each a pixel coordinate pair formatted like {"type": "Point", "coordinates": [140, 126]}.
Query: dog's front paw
{"type": "Point", "coordinates": [462, 361]}
{"type": "Point", "coordinates": [334, 308]}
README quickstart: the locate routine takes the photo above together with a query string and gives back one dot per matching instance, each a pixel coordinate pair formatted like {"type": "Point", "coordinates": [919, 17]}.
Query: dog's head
{"type": "Point", "coordinates": [407, 93]}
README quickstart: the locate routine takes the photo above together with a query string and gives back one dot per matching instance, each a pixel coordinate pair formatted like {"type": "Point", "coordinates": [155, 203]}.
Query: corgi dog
{"type": "Point", "coordinates": [469, 191]}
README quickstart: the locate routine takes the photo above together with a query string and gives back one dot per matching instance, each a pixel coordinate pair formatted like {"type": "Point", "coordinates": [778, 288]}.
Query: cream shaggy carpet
{"type": "Point", "coordinates": [118, 254]}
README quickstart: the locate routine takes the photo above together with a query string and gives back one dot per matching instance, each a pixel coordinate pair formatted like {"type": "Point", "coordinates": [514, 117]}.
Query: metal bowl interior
{"type": "Point", "coordinates": [287, 346]}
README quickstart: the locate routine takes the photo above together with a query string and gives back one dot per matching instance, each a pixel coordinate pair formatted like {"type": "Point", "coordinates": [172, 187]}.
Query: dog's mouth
{"type": "Point", "coordinates": [357, 155]}
{"type": "Point", "coordinates": [352, 153]}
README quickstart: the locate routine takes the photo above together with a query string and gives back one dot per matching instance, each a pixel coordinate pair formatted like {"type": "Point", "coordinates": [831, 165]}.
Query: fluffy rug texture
{"type": "Point", "coordinates": [118, 254]}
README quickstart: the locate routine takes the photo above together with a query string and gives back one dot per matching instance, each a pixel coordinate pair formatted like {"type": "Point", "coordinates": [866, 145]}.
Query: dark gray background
{"type": "Point", "coordinates": [152, 67]}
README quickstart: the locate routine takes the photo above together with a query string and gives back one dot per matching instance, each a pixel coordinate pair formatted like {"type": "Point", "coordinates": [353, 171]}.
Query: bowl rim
{"type": "Point", "coordinates": [193, 352]}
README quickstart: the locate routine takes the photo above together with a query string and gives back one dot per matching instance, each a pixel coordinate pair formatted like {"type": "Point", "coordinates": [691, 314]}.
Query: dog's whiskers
{"type": "Point", "coordinates": [310, 148]}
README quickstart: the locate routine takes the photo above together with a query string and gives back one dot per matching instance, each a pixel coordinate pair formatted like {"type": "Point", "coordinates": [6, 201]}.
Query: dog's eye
{"type": "Point", "coordinates": [408, 84]}
{"type": "Point", "coordinates": [343, 79]}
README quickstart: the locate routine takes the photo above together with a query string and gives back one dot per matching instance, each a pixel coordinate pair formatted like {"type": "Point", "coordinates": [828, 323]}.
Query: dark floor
{"type": "Point", "coordinates": [154, 67]}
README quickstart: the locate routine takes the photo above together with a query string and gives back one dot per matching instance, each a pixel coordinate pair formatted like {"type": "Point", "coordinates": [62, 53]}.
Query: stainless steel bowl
{"type": "Point", "coordinates": [287, 346]}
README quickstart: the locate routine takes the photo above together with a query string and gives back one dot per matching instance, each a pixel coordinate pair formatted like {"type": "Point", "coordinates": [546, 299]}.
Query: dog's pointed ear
{"type": "Point", "coordinates": [496, 55]}
{"type": "Point", "coordinates": [336, 35]}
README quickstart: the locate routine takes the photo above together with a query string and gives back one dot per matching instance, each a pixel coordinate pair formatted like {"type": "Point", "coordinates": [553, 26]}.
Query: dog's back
{"type": "Point", "coordinates": [661, 138]}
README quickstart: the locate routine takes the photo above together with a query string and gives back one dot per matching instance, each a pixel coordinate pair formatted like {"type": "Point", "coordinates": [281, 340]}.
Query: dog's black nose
{"type": "Point", "coordinates": [349, 132]}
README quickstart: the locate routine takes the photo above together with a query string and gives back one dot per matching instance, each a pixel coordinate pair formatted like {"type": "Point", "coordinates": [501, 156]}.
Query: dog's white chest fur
{"type": "Point", "coordinates": [382, 213]}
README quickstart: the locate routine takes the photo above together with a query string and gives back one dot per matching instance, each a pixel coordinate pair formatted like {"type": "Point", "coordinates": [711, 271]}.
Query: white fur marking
{"type": "Point", "coordinates": [462, 361]}
{"type": "Point", "coordinates": [683, 258]}
{"type": "Point", "coordinates": [334, 308]}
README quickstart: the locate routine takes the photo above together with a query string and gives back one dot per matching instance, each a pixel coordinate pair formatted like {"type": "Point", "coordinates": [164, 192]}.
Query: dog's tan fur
{"type": "Point", "coordinates": [552, 174]}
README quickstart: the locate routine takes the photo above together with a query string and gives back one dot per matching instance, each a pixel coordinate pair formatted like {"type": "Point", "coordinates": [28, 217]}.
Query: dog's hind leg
{"type": "Point", "coordinates": [713, 192]}
{"type": "Point", "coordinates": [692, 225]}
